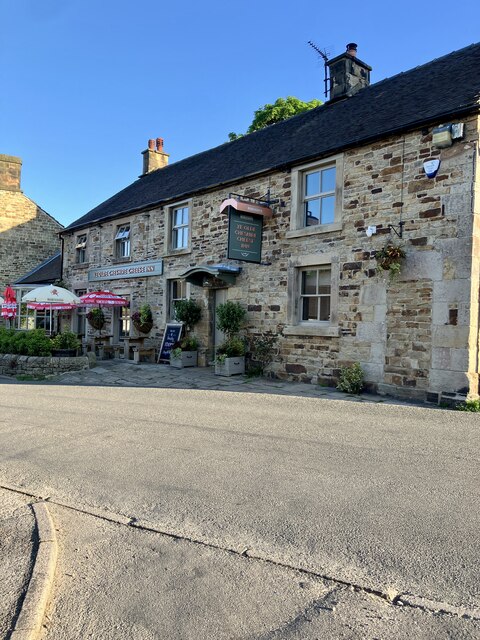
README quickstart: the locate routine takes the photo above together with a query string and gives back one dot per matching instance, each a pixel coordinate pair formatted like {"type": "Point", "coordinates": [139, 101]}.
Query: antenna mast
{"type": "Point", "coordinates": [323, 54]}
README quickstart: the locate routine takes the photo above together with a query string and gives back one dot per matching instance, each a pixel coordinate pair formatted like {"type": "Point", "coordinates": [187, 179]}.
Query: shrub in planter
{"type": "Point", "coordinates": [230, 358]}
{"type": "Point", "coordinates": [230, 317]}
{"type": "Point", "coordinates": [67, 343]}
{"type": "Point", "coordinates": [184, 353]}
{"type": "Point", "coordinates": [143, 319]}
{"type": "Point", "coordinates": [96, 318]}
{"type": "Point", "coordinates": [351, 379]}
{"type": "Point", "coordinates": [189, 312]}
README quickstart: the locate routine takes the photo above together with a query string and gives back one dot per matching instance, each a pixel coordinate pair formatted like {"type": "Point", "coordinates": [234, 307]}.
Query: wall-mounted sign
{"type": "Point", "coordinates": [244, 237]}
{"type": "Point", "coordinates": [130, 270]}
{"type": "Point", "coordinates": [431, 167]}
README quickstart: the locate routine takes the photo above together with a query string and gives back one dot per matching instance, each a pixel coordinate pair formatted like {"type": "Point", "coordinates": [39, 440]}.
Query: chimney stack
{"type": "Point", "coordinates": [10, 172]}
{"type": "Point", "coordinates": [348, 74]}
{"type": "Point", "coordinates": [154, 157]}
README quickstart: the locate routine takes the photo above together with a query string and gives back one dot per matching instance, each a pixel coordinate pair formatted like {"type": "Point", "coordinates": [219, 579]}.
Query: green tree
{"type": "Point", "coordinates": [281, 109]}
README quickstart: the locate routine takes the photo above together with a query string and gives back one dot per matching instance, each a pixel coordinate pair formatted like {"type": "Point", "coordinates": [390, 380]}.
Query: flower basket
{"type": "Point", "coordinates": [143, 319]}
{"type": "Point", "coordinates": [143, 327]}
{"type": "Point", "coordinates": [389, 259]}
{"type": "Point", "coordinates": [96, 319]}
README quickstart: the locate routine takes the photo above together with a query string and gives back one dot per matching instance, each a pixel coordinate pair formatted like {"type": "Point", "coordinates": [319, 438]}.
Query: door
{"type": "Point", "coordinates": [220, 298]}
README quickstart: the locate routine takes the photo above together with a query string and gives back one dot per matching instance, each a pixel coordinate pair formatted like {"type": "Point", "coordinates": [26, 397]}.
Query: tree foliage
{"type": "Point", "coordinates": [281, 109]}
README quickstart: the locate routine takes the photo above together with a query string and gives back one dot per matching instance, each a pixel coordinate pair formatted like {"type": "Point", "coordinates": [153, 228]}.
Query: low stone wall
{"type": "Point", "coordinates": [14, 365]}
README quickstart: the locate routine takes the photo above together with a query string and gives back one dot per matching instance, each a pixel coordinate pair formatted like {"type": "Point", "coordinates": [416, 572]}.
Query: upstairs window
{"type": "Point", "coordinates": [180, 227]}
{"type": "Point", "coordinates": [81, 249]}
{"type": "Point", "coordinates": [319, 196]}
{"type": "Point", "coordinates": [122, 241]}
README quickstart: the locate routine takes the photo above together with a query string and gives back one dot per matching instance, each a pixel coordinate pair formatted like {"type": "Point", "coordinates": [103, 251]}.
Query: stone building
{"type": "Point", "coordinates": [341, 182]}
{"type": "Point", "coordinates": [28, 235]}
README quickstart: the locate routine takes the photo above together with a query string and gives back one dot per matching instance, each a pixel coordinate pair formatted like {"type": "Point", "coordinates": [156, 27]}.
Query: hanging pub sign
{"type": "Point", "coordinates": [244, 237]}
{"type": "Point", "coordinates": [245, 226]}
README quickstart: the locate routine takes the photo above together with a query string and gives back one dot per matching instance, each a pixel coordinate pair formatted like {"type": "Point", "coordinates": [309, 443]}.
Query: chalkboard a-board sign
{"type": "Point", "coordinates": [172, 334]}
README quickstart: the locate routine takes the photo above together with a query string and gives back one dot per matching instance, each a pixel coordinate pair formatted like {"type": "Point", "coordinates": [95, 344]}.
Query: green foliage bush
{"type": "Point", "coordinates": [469, 405]}
{"type": "Point", "coordinates": [230, 317]}
{"type": "Point", "coordinates": [231, 348]}
{"type": "Point", "coordinates": [263, 348]}
{"type": "Point", "coordinates": [351, 379]}
{"type": "Point", "coordinates": [66, 340]}
{"type": "Point", "coordinates": [25, 343]}
{"type": "Point", "coordinates": [189, 312]}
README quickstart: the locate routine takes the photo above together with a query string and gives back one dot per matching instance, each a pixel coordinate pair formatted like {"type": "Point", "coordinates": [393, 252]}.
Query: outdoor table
{"type": "Point", "coordinates": [130, 343]}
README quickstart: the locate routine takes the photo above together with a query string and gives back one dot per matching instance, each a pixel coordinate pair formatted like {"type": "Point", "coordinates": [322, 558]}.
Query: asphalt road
{"type": "Point", "coordinates": [378, 498]}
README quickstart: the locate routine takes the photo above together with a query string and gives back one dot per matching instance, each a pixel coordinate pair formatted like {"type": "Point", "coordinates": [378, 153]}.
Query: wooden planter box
{"type": "Point", "coordinates": [187, 359]}
{"type": "Point", "coordinates": [230, 367]}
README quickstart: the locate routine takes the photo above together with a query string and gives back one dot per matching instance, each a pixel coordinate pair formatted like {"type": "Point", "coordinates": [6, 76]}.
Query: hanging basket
{"type": "Point", "coordinates": [143, 327]}
{"type": "Point", "coordinates": [96, 319]}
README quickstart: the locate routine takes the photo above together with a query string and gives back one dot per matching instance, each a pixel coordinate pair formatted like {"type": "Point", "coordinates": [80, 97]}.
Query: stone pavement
{"type": "Point", "coordinates": [121, 373]}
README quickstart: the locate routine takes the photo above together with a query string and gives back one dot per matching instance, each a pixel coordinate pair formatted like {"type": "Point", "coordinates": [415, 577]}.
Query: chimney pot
{"type": "Point", "coordinates": [154, 157]}
{"type": "Point", "coordinates": [352, 49]}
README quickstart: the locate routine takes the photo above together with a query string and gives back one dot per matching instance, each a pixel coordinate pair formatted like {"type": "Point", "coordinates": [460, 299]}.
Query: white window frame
{"type": "Point", "coordinates": [295, 324]}
{"type": "Point", "coordinates": [172, 229]}
{"type": "Point", "coordinates": [81, 248]}
{"type": "Point", "coordinates": [298, 225]}
{"type": "Point", "coordinates": [319, 297]}
{"type": "Point", "coordinates": [123, 247]}
{"type": "Point", "coordinates": [172, 300]}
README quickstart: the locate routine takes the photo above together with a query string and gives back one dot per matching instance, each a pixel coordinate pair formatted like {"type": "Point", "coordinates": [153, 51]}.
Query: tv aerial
{"type": "Point", "coordinates": [323, 53]}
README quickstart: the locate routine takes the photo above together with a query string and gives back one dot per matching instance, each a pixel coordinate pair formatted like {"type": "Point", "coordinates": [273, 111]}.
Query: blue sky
{"type": "Point", "coordinates": [85, 84]}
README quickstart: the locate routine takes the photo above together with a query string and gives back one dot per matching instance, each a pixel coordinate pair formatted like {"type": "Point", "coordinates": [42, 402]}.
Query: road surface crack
{"type": "Point", "coordinates": [391, 597]}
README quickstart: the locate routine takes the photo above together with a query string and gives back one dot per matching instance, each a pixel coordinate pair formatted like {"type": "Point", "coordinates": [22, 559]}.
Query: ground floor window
{"type": "Point", "coordinates": [312, 295]}
{"type": "Point", "coordinates": [122, 323]}
{"type": "Point", "coordinates": [177, 290]}
{"type": "Point", "coordinates": [315, 294]}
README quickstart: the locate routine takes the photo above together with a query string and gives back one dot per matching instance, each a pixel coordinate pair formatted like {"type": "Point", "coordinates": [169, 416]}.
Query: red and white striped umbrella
{"type": "Point", "coordinates": [102, 299]}
{"type": "Point", "coordinates": [9, 303]}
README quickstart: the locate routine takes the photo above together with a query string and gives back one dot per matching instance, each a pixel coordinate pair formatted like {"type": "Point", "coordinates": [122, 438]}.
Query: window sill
{"type": "Point", "coordinates": [313, 231]}
{"type": "Point", "coordinates": [121, 260]}
{"type": "Point", "coordinates": [80, 265]}
{"type": "Point", "coordinates": [327, 331]}
{"type": "Point", "coordinates": [177, 252]}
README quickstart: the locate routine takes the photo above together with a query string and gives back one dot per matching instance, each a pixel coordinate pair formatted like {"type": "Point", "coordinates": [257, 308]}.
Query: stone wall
{"type": "Point", "coordinates": [28, 235]}
{"type": "Point", "coordinates": [14, 365]}
{"type": "Point", "coordinates": [416, 336]}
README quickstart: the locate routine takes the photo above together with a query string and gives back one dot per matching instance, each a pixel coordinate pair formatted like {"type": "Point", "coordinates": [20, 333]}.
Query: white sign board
{"type": "Point", "coordinates": [130, 270]}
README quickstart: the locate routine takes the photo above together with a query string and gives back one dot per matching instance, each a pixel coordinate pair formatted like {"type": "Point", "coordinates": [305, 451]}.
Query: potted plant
{"type": "Point", "coordinates": [390, 259]}
{"type": "Point", "coordinates": [65, 345]}
{"type": "Point", "coordinates": [96, 318]}
{"type": "Point", "coordinates": [143, 319]}
{"type": "Point", "coordinates": [184, 353]}
{"type": "Point", "coordinates": [230, 355]}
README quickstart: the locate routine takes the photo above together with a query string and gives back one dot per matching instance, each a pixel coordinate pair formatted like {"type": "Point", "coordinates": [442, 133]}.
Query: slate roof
{"type": "Point", "coordinates": [434, 92]}
{"type": "Point", "coordinates": [44, 273]}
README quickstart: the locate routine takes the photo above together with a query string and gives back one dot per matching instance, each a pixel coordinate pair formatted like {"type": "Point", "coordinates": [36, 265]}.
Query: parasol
{"type": "Point", "coordinates": [102, 299]}
{"type": "Point", "coordinates": [9, 303]}
{"type": "Point", "coordinates": [51, 297]}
